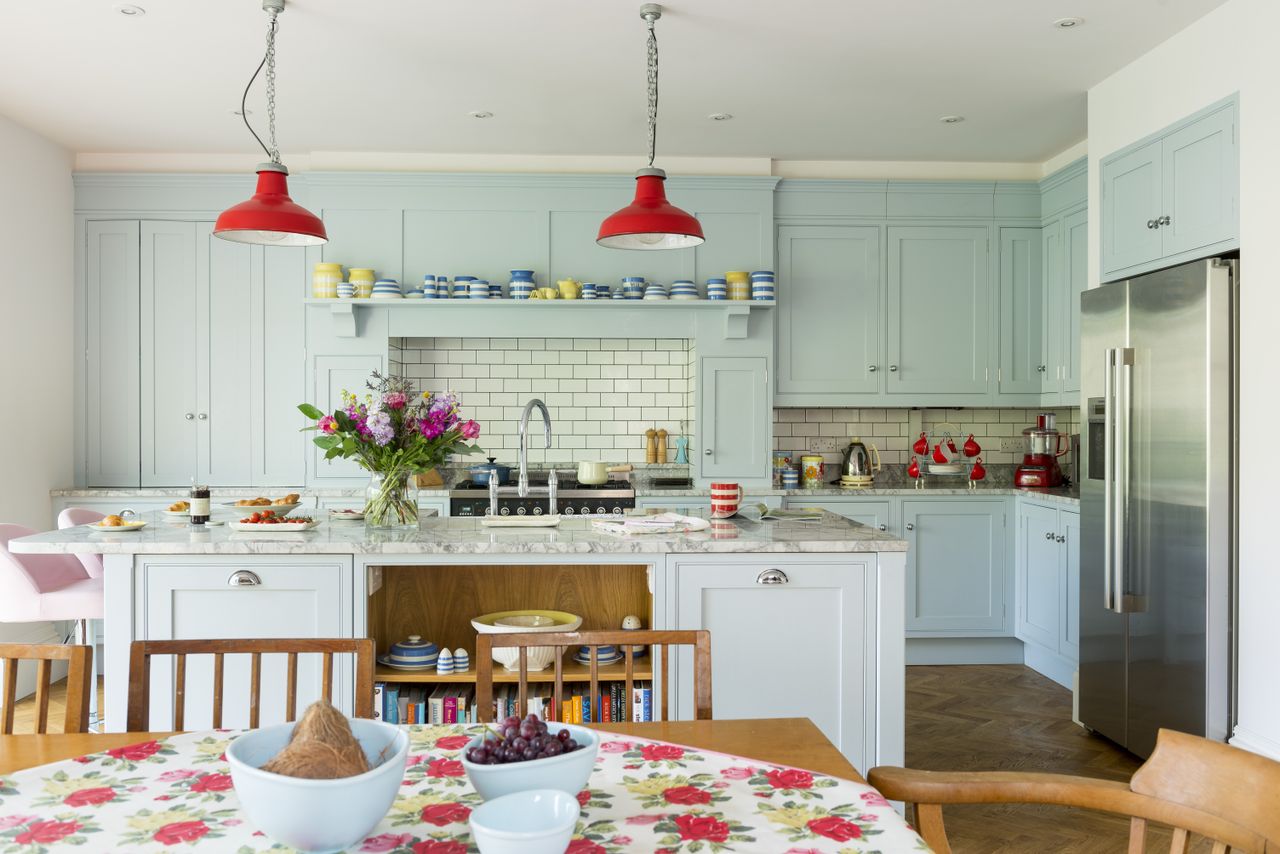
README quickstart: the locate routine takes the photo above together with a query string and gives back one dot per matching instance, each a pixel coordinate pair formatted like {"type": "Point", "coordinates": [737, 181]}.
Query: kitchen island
{"type": "Point", "coordinates": [806, 617]}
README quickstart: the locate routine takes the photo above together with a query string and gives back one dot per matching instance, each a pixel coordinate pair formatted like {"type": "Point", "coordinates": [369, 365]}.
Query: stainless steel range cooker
{"type": "Point", "coordinates": [469, 498]}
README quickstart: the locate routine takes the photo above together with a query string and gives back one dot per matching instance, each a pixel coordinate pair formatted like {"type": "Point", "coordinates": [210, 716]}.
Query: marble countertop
{"type": "Point", "coordinates": [831, 533]}
{"type": "Point", "coordinates": [1067, 495]}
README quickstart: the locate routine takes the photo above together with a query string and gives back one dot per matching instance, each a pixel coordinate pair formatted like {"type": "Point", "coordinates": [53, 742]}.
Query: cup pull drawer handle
{"type": "Point", "coordinates": [243, 578]}
{"type": "Point", "coordinates": [772, 576]}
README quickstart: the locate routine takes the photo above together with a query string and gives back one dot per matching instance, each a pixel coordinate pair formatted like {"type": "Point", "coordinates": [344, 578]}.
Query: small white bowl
{"type": "Point", "coordinates": [540, 821]}
{"type": "Point", "coordinates": [318, 815]}
{"type": "Point", "coordinates": [567, 772]}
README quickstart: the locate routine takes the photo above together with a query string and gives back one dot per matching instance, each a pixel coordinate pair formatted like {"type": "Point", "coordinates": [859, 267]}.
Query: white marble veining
{"type": "Point", "coordinates": [1069, 496]}
{"type": "Point", "coordinates": [831, 534]}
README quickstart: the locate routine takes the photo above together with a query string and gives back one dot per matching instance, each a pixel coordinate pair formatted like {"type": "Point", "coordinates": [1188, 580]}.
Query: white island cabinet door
{"type": "Point", "coordinates": [789, 638]}
{"type": "Point", "coordinates": [265, 597]}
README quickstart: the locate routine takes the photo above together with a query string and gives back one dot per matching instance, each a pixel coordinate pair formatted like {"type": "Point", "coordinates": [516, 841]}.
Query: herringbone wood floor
{"type": "Point", "coordinates": [1010, 718]}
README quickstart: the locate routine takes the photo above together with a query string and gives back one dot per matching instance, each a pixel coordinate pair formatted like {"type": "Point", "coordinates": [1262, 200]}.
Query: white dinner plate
{"type": "Point", "coordinates": [275, 527]}
{"type": "Point", "coordinates": [520, 521]}
{"type": "Point", "coordinates": [346, 515]}
{"type": "Point", "coordinates": [175, 514]}
{"type": "Point", "coordinates": [247, 509]}
{"type": "Point", "coordinates": [116, 529]}
{"type": "Point", "coordinates": [386, 662]}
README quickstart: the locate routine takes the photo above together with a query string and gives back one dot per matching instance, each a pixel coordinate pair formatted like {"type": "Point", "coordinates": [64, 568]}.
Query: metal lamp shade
{"type": "Point", "coordinates": [270, 217]}
{"type": "Point", "coordinates": [650, 221]}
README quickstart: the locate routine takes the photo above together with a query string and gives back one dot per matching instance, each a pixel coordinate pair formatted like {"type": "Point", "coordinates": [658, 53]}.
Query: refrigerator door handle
{"type": "Point", "coordinates": [1124, 358]}
{"type": "Point", "coordinates": [1108, 475]}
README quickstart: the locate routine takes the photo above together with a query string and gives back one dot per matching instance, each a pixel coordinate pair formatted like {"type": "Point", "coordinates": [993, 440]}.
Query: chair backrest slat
{"type": "Point", "coordinates": [180, 693]}
{"type": "Point", "coordinates": [626, 641]}
{"type": "Point", "coordinates": [79, 683]}
{"type": "Point", "coordinates": [1178, 845]}
{"type": "Point", "coordinates": [1137, 835]}
{"type": "Point", "coordinates": [140, 654]}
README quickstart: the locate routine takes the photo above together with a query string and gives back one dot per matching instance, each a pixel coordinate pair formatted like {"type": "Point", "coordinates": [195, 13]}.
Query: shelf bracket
{"type": "Point", "coordinates": [736, 321]}
{"type": "Point", "coordinates": [344, 318]}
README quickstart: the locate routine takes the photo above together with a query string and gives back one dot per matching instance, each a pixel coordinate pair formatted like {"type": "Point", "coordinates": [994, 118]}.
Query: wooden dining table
{"type": "Point", "coordinates": [795, 742]}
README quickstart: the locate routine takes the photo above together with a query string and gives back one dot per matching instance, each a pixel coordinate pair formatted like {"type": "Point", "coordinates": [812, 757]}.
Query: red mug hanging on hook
{"type": "Point", "coordinates": [939, 456]}
{"type": "Point", "coordinates": [971, 448]}
{"type": "Point", "coordinates": [921, 447]}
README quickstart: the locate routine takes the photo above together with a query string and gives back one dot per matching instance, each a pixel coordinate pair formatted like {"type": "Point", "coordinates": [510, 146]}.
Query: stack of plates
{"type": "Point", "coordinates": [604, 655]}
{"type": "Point", "coordinates": [684, 290]}
{"type": "Point", "coordinates": [412, 654]}
{"type": "Point", "coordinates": [387, 289]}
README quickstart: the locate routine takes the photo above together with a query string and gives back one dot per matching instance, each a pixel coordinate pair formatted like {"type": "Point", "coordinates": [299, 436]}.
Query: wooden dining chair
{"type": "Point", "coordinates": [79, 683]}
{"type": "Point", "coordinates": [700, 640]}
{"type": "Point", "coordinates": [140, 653]}
{"type": "Point", "coordinates": [1191, 784]}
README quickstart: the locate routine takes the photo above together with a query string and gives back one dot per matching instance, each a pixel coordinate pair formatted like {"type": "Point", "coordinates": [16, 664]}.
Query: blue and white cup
{"type": "Point", "coordinates": [790, 478]}
{"type": "Point", "coordinates": [619, 293]}
{"type": "Point", "coordinates": [655, 291]}
{"type": "Point", "coordinates": [520, 288]}
{"type": "Point", "coordinates": [522, 276]}
{"type": "Point", "coordinates": [717, 289]}
{"type": "Point", "coordinates": [443, 289]}
{"type": "Point", "coordinates": [429, 284]}
{"type": "Point", "coordinates": [478, 289]}
{"type": "Point", "coordinates": [346, 290]}
{"type": "Point", "coordinates": [589, 290]}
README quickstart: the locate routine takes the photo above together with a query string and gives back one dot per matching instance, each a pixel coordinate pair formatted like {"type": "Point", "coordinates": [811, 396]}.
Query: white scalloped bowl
{"type": "Point", "coordinates": [512, 622]}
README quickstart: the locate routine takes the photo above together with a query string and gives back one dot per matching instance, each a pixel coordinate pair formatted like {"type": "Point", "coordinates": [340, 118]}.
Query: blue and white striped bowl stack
{"type": "Point", "coordinates": [717, 289]}
{"type": "Point", "coordinates": [618, 294]}
{"type": "Point", "coordinates": [683, 289]}
{"type": "Point", "coordinates": [429, 286]}
{"type": "Point", "coordinates": [478, 289]}
{"type": "Point", "coordinates": [443, 288]}
{"type": "Point", "coordinates": [387, 289]}
{"type": "Point", "coordinates": [589, 290]}
{"type": "Point", "coordinates": [655, 291]}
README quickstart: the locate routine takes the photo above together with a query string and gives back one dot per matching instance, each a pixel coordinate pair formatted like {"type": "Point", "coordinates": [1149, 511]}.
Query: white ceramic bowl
{"type": "Point", "coordinates": [318, 815]}
{"type": "Point", "coordinates": [567, 772]}
{"type": "Point", "coordinates": [540, 821]}
{"type": "Point", "coordinates": [538, 657]}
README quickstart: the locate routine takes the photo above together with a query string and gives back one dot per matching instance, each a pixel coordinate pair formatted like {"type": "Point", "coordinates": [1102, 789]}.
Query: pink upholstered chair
{"type": "Point", "coordinates": [54, 587]}
{"type": "Point", "coordinates": [70, 518]}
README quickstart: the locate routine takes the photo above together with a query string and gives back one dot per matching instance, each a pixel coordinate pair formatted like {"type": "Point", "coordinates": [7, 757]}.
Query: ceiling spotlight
{"type": "Point", "coordinates": [1068, 23]}
{"type": "Point", "coordinates": [951, 120]}
{"type": "Point", "coordinates": [480, 114]}
{"type": "Point", "coordinates": [129, 9]}
{"type": "Point", "coordinates": [720, 117]}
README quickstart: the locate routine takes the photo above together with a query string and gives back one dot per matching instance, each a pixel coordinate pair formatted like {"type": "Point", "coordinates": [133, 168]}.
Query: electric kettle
{"type": "Point", "coordinates": [858, 465]}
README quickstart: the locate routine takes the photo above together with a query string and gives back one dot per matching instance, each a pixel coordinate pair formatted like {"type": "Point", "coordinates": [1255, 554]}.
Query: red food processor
{"type": "Point", "coordinates": [1039, 468]}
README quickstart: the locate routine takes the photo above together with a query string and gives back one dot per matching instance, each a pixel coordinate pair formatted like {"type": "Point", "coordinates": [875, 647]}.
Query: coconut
{"type": "Point", "coordinates": [321, 747]}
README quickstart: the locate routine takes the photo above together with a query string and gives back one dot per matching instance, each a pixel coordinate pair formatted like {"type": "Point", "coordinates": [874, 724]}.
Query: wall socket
{"type": "Point", "coordinates": [1015, 445]}
{"type": "Point", "coordinates": [825, 444]}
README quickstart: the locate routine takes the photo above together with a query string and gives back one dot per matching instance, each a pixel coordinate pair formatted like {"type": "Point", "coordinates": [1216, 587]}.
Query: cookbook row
{"type": "Point", "coordinates": [455, 703]}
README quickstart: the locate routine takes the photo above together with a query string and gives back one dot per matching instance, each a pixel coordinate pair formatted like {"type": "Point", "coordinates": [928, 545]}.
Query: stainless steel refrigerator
{"type": "Point", "coordinates": [1157, 503]}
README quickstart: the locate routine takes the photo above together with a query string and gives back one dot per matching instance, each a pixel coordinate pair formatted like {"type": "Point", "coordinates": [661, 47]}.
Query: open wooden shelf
{"type": "Point", "coordinates": [573, 672]}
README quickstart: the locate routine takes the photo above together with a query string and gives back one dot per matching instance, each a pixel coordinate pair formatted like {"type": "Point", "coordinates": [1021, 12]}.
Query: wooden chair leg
{"type": "Point", "coordinates": [10, 695]}
{"type": "Point", "coordinates": [180, 694]}
{"type": "Point", "coordinates": [217, 690]}
{"type": "Point", "coordinates": [255, 689]}
{"type": "Point", "coordinates": [930, 825]}
{"type": "Point", "coordinates": [1137, 836]}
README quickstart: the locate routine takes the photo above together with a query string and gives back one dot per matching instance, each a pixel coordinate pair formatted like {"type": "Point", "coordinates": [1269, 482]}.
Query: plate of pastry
{"type": "Point", "coordinates": [116, 524]}
{"type": "Point", "coordinates": [346, 514]}
{"type": "Point", "coordinates": [178, 509]}
{"type": "Point", "coordinates": [282, 506]}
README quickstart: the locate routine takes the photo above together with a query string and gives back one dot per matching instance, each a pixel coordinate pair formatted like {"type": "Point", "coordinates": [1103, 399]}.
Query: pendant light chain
{"type": "Point", "coordinates": [653, 91]}
{"type": "Point", "coordinates": [274, 151]}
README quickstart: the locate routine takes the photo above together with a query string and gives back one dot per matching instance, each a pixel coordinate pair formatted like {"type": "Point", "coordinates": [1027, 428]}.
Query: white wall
{"type": "Point", "coordinates": [1231, 49]}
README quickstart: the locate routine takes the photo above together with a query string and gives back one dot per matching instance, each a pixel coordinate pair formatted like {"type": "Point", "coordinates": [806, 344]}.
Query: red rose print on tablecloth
{"type": "Point", "coordinates": [90, 797]}
{"type": "Point", "coordinates": [702, 827]}
{"type": "Point", "coordinates": [212, 783]}
{"type": "Point", "coordinates": [644, 819]}
{"type": "Point", "coordinates": [584, 797]}
{"type": "Point", "coordinates": [789, 778]}
{"type": "Point", "coordinates": [738, 773]}
{"type": "Point", "coordinates": [442, 814]}
{"type": "Point", "coordinates": [802, 851]}
{"type": "Point", "coordinates": [620, 840]}
{"type": "Point", "coordinates": [46, 832]}
{"type": "Point", "coordinates": [135, 752]}
{"type": "Point", "coordinates": [439, 846]}
{"type": "Point", "coordinates": [11, 821]}
{"type": "Point", "coordinates": [444, 768]}
{"type": "Point", "coordinates": [177, 775]}
{"type": "Point", "coordinates": [180, 831]}
{"type": "Point", "coordinates": [386, 842]}
{"type": "Point", "coordinates": [660, 752]}
{"type": "Point", "coordinates": [616, 746]}
{"type": "Point", "coordinates": [452, 742]}
{"type": "Point", "coordinates": [874, 799]}
{"type": "Point", "coordinates": [686, 796]}
{"type": "Point", "coordinates": [834, 827]}
{"type": "Point", "coordinates": [584, 846]}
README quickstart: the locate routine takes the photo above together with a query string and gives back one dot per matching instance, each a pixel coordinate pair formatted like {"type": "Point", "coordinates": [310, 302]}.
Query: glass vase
{"type": "Point", "coordinates": [391, 501]}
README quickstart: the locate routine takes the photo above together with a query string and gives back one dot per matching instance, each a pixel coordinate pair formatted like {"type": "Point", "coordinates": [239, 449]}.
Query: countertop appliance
{"type": "Point", "coordinates": [1157, 503]}
{"type": "Point", "coordinates": [1039, 468]}
{"type": "Point", "coordinates": [469, 498]}
{"type": "Point", "coordinates": [859, 468]}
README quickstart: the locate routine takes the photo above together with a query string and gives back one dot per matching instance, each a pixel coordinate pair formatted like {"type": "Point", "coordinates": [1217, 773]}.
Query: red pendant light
{"type": "Point", "coordinates": [270, 217]}
{"type": "Point", "coordinates": [650, 221]}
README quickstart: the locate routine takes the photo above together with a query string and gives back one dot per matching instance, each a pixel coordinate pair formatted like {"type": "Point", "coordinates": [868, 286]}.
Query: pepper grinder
{"type": "Point", "coordinates": [662, 446]}
{"type": "Point", "coordinates": [650, 445]}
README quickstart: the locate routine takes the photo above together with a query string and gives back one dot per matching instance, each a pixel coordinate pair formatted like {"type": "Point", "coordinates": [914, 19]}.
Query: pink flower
{"type": "Point", "coordinates": [444, 768]}
{"type": "Point", "coordinates": [452, 742]}
{"type": "Point", "coordinates": [46, 832]}
{"type": "Point", "coordinates": [9, 821]}
{"type": "Point", "coordinates": [177, 775]}
{"type": "Point", "coordinates": [661, 752]}
{"type": "Point", "coordinates": [874, 799]}
{"type": "Point", "coordinates": [394, 399]}
{"type": "Point", "coordinates": [802, 851]}
{"type": "Point", "coordinates": [135, 752]}
{"type": "Point", "coordinates": [470, 430]}
{"type": "Point", "coordinates": [620, 840]}
{"type": "Point", "coordinates": [835, 827]}
{"type": "Point", "coordinates": [738, 773]}
{"type": "Point", "coordinates": [616, 746]}
{"type": "Point", "coordinates": [387, 842]}
{"type": "Point", "coordinates": [212, 783]}
{"type": "Point", "coordinates": [328, 424]}
{"type": "Point", "coordinates": [789, 778]}
{"type": "Point", "coordinates": [180, 831]}
{"type": "Point", "coordinates": [644, 819]}
{"type": "Point", "coordinates": [686, 795]}
{"type": "Point", "coordinates": [446, 813]}
{"type": "Point", "coordinates": [90, 797]}
{"type": "Point", "coordinates": [584, 846]}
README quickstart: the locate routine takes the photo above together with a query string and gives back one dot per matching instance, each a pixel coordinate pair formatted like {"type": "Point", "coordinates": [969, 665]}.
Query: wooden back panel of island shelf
{"type": "Point", "coordinates": [699, 639]}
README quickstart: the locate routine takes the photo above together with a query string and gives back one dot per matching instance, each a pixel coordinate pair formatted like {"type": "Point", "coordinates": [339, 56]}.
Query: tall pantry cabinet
{"type": "Point", "coordinates": [193, 362]}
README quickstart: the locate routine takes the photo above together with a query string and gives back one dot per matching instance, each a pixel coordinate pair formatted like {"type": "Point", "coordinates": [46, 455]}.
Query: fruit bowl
{"type": "Point", "coordinates": [511, 622]}
{"type": "Point", "coordinates": [567, 772]}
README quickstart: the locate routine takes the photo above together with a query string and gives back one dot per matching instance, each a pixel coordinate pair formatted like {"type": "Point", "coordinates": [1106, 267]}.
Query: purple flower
{"type": "Point", "coordinates": [380, 428]}
{"type": "Point", "coordinates": [470, 430]}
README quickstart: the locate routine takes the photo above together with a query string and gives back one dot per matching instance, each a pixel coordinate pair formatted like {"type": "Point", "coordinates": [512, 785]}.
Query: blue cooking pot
{"type": "Point", "coordinates": [480, 472]}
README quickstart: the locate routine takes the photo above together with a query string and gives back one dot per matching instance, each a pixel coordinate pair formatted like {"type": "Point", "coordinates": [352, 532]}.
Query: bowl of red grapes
{"type": "Point", "coordinates": [519, 754]}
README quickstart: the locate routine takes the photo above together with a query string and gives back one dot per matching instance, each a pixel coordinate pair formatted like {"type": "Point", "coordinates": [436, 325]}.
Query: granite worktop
{"type": "Point", "coordinates": [459, 536]}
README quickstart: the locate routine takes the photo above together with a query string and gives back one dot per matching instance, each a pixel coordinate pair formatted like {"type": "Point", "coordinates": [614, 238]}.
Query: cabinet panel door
{"type": "Point", "coordinates": [1200, 184]}
{"type": "Point", "coordinates": [1051, 325]}
{"type": "Point", "coordinates": [292, 600]}
{"type": "Point", "coordinates": [873, 514]}
{"type": "Point", "coordinates": [820, 676]}
{"type": "Point", "coordinates": [1069, 529]}
{"type": "Point", "coordinates": [280, 379]}
{"type": "Point", "coordinates": [1075, 272]}
{"type": "Point", "coordinates": [1131, 198]}
{"type": "Point", "coordinates": [939, 315]}
{"type": "Point", "coordinates": [168, 347]}
{"type": "Point", "coordinates": [734, 410]}
{"type": "Point", "coordinates": [1039, 593]}
{"type": "Point", "coordinates": [112, 393]}
{"type": "Point", "coordinates": [330, 376]}
{"type": "Point", "coordinates": [829, 324]}
{"type": "Point", "coordinates": [226, 364]}
{"type": "Point", "coordinates": [1022, 345]}
{"type": "Point", "coordinates": [955, 565]}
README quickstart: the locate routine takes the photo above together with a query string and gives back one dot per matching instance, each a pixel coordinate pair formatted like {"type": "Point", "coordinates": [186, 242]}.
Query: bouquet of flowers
{"type": "Point", "coordinates": [393, 433]}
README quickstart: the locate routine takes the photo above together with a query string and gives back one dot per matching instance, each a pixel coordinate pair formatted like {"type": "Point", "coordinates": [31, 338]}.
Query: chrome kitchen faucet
{"type": "Point", "coordinates": [522, 485]}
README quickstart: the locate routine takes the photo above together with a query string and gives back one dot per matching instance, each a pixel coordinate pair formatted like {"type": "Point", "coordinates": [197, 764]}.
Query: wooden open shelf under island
{"type": "Point", "coordinates": [573, 672]}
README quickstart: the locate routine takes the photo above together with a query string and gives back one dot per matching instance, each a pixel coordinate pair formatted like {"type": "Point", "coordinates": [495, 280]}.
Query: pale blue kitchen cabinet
{"type": "Point", "coordinates": [1173, 196]}
{"type": "Point", "coordinates": [1047, 586]}
{"type": "Point", "coordinates": [939, 335]}
{"type": "Point", "coordinates": [734, 411]}
{"type": "Point", "coordinates": [956, 576]}
{"type": "Point", "coordinates": [874, 513]}
{"type": "Point", "coordinates": [111, 372]}
{"type": "Point", "coordinates": [830, 318]}
{"type": "Point", "coordinates": [225, 364]}
{"type": "Point", "coordinates": [1022, 345]}
{"type": "Point", "coordinates": [1069, 530]}
{"type": "Point", "coordinates": [330, 375]}
{"type": "Point", "coordinates": [1075, 255]}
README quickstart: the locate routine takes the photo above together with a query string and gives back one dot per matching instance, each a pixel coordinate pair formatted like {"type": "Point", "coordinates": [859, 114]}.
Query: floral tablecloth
{"type": "Point", "coordinates": [176, 794]}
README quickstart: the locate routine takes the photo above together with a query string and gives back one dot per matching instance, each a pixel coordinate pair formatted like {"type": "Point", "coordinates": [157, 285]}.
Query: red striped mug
{"type": "Point", "coordinates": [725, 498]}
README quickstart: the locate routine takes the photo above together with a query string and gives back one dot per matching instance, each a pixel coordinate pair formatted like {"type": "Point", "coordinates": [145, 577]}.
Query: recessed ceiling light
{"type": "Point", "coordinates": [1068, 23]}
{"type": "Point", "coordinates": [720, 117]}
{"type": "Point", "coordinates": [129, 9]}
{"type": "Point", "coordinates": [951, 120]}
{"type": "Point", "coordinates": [480, 114]}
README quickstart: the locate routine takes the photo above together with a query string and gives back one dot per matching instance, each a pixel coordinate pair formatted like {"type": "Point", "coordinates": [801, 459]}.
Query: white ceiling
{"type": "Point", "coordinates": [804, 79]}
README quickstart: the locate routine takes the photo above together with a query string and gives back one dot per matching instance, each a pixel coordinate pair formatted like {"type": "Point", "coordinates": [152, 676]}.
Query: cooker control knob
{"type": "Point", "coordinates": [505, 511]}
{"type": "Point", "coordinates": [520, 511]}
{"type": "Point", "coordinates": [600, 510]}
{"type": "Point", "coordinates": [568, 511]}
{"type": "Point", "coordinates": [537, 511]}
{"type": "Point", "coordinates": [617, 511]}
